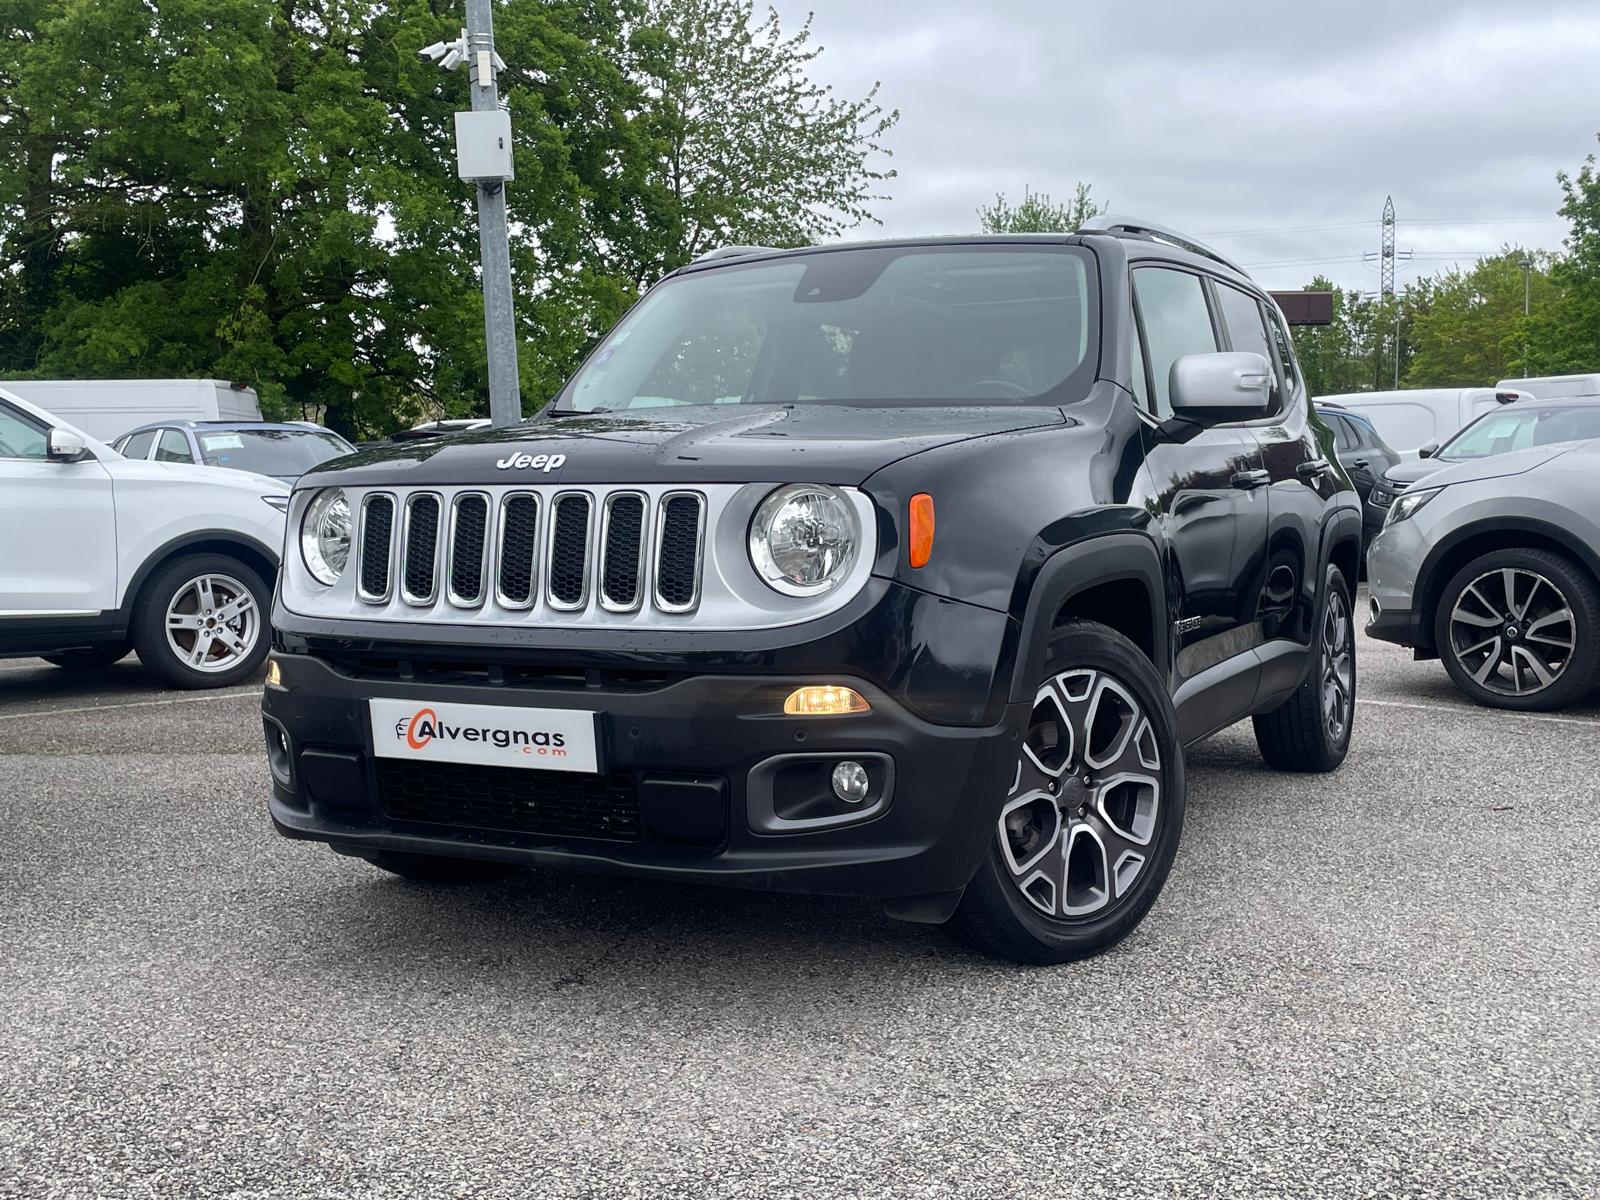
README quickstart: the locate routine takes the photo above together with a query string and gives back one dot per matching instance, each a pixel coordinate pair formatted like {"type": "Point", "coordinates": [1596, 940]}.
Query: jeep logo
{"type": "Point", "coordinates": [532, 462]}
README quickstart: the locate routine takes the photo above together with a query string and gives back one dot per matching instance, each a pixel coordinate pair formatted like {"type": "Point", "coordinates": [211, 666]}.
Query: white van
{"type": "Point", "coordinates": [1554, 387]}
{"type": "Point", "coordinates": [107, 408]}
{"type": "Point", "coordinates": [1410, 419]}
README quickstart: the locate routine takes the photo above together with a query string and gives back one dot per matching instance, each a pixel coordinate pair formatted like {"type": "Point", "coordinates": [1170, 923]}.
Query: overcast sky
{"type": "Point", "coordinates": [1226, 116]}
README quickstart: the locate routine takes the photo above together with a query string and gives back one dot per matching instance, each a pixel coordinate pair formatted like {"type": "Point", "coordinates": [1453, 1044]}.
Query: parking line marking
{"type": "Point", "coordinates": [255, 693]}
{"type": "Point", "coordinates": [1497, 714]}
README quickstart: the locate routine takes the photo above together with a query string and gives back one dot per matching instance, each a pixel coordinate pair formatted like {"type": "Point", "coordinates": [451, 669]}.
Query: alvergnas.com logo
{"type": "Point", "coordinates": [424, 727]}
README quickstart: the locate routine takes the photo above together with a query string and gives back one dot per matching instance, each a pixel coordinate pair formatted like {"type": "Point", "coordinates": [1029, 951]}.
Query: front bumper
{"type": "Point", "coordinates": [691, 759]}
{"type": "Point", "coordinates": [1393, 561]}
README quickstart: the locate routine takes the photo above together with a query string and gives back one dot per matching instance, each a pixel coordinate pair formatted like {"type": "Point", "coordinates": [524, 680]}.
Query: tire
{"type": "Point", "coordinates": [1048, 897]}
{"type": "Point", "coordinates": [439, 869]}
{"type": "Point", "coordinates": [1498, 663]}
{"type": "Point", "coordinates": [1310, 731]}
{"type": "Point", "coordinates": [96, 659]}
{"type": "Point", "coordinates": [179, 590]}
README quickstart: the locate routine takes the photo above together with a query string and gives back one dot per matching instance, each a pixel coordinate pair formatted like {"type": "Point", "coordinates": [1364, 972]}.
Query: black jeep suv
{"type": "Point", "coordinates": [902, 570]}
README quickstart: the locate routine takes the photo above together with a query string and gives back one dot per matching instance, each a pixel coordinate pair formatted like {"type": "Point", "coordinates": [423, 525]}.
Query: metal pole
{"type": "Point", "coordinates": [494, 239]}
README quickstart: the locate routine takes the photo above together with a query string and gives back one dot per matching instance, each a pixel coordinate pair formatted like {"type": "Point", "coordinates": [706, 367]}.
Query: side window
{"type": "Point", "coordinates": [1247, 329]}
{"type": "Point", "coordinates": [173, 447]}
{"type": "Point", "coordinates": [138, 446]}
{"type": "Point", "coordinates": [1287, 367]}
{"type": "Point", "coordinates": [20, 436]}
{"type": "Point", "coordinates": [1344, 432]}
{"type": "Point", "coordinates": [1177, 321]}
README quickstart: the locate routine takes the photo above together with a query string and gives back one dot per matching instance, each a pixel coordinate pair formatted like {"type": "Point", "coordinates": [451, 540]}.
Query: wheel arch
{"type": "Point", "coordinates": [227, 542]}
{"type": "Point", "coordinates": [1484, 537]}
{"type": "Point", "coordinates": [1113, 578]}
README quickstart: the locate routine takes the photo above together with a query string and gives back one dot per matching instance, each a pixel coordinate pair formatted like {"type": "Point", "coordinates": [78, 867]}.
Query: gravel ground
{"type": "Point", "coordinates": [1381, 984]}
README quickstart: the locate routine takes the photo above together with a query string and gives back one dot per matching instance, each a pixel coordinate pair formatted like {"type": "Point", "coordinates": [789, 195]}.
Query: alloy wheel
{"type": "Point", "coordinates": [213, 622]}
{"type": "Point", "coordinates": [1338, 667]}
{"type": "Point", "coordinates": [1512, 631]}
{"type": "Point", "coordinates": [1077, 829]}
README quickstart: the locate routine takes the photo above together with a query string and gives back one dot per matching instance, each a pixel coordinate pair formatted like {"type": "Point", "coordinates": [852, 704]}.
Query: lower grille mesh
{"type": "Point", "coordinates": [550, 803]}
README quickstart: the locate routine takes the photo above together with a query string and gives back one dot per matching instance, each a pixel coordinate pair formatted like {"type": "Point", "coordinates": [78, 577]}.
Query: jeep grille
{"type": "Point", "coordinates": [588, 545]}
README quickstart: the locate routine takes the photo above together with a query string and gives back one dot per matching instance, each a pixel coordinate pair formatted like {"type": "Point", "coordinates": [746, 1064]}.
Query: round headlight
{"type": "Point", "coordinates": [325, 535]}
{"type": "Point", "coordinates": [803, 539]}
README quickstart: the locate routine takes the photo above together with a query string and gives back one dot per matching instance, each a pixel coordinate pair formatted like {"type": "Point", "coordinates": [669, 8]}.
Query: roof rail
{"type": "Point", "coordinates": [1157, 233]}
{"type": "Point", "coordinates": [734, 252]}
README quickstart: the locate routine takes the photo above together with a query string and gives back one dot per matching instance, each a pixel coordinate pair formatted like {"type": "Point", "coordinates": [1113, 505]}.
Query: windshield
{"type": "Point", "coordinates": [1511, 428]}
{"type": "Point", "coordinates": [271, 451]}
{"type": "Point", "coordinates": [880, 326]}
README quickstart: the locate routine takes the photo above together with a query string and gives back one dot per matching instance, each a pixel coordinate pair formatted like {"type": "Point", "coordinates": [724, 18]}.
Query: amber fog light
{"type": "Point", "coordinates": [825, 700]}
{"type": "Point", "coordinates": [274, 673]}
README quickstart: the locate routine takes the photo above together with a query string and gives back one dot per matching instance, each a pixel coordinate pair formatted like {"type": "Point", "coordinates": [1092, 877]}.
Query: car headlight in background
{"type": "Point", "coordinates": [804, 538]}
{"type": "Point", "coordinates": [325, 535]}
{"type": "Point", "coordinates": [1408, 504]}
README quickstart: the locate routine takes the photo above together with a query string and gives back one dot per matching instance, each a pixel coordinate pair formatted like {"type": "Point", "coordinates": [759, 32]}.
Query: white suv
{"type": "Point", "coordinates": [100, 554]}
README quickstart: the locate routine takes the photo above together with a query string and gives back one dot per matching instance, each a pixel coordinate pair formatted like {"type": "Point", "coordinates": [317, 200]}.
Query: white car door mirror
{"type": "Point", "coordinates": [66, 446]}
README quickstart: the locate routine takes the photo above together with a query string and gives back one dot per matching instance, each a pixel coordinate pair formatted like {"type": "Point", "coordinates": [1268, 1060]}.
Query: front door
{"type": "Point", "coordinates": [1209, 497]}
{"type": "Point", "coordinates": [58, 541]}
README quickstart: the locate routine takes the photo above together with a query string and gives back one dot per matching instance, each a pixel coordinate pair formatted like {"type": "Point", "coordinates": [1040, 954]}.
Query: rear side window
{"type": "Point", "coordinates": [1247, 329]}
{"type": "Point", "coordinates": [1344, 436]}
{"type": "Point", "coordinates": [173, 447]}
{"type": "Point", "coordinates": [138, 446]}
{"type": "Point", "coordinates": [1176, 321]}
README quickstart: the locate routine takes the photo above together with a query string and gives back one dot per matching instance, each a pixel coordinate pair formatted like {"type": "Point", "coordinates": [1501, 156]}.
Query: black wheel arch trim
{"type": "Point", "coordinates": [1075, 569]}
{"type": "Point", "coordinates": [198, 542]}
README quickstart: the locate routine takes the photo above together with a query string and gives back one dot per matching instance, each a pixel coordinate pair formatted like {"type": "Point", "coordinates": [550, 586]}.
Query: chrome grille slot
{"type": "Point", "coordinates": [469, 545]}
{"type": "Point", "coordinates": [568, 573]}
{"type": "Point", "coordinates": [377, 547]}
{"type": "Point", "coordinates": [680, 536]}
{"type": "Point", "coordinates": [419, 582]}
{"type": "Point", "coordinates": [622, 552]}
{"type": "Point", "coordinates": [517, 550]}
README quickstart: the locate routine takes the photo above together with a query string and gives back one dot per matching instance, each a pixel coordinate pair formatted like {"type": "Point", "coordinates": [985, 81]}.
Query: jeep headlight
{"type": "Point", "coordinates": [325, 535]}
{"type": "Point", "coordinates": [1407, 504]}
{"type": "Point", "coordinates": [803, 539]}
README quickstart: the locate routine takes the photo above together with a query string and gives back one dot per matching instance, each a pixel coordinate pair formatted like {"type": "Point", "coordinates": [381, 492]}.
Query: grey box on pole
{"type": "Point", "coordinates": [483, 145]}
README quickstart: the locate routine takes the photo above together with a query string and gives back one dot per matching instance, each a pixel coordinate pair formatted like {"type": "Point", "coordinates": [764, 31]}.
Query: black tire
{"type": "Point", "coordinates": [439, 869]}
{"type": "Point", "coordinates": [96, 659]}
{"type": "Point", "coordinates": [148, 627]}
{"type": "Point", "coordinates": [1578, 596]}
{"type": "Point", "coordinates": [1303, 734]}
{"type": "Point", "coordinates": [995, 916]}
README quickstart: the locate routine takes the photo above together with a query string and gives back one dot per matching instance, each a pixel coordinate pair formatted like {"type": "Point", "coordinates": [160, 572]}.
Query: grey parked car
{"type": "Point", "coordinates": [1493, 566]}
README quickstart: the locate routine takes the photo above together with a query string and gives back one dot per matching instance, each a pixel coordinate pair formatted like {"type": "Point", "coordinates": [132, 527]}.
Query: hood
{"type": "Point", "coordinates": [1410, 470]}
{"type": "Point", "coordinates": [1495, 466]}
{"type": "Point", "coordinates": [815, 443]}
{"type": "Point", "coordinates": [191, 474]}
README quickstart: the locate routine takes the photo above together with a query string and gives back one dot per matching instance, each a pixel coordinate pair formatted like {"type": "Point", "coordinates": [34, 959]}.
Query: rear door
{"type": "Point", "coordinates": [1210, 495]}
{"type": "Point", "coordinates": [61, 560]}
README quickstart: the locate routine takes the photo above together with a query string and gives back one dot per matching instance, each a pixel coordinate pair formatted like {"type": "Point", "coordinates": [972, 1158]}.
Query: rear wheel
{"type": "Point", "coordinates": [437, 868]}
{"type": "Point", "coordinates": [95, 659]}
{"type": "Point", "coordinates": [1085, 837]}
{"type": "Point", "coordinates": [1310, 731]}
{"type": "Point", "coordinates": [1520, 629]}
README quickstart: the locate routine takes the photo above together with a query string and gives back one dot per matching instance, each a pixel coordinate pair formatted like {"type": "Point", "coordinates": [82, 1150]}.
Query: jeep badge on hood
{"type": "Point", "coordinates": [534, 462]}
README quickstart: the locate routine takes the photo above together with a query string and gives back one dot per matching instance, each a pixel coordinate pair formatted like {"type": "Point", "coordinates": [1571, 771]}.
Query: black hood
{"type": "Point", "coordinates": [815, 443]}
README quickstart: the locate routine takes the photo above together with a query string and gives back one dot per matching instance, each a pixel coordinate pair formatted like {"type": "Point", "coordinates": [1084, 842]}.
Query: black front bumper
{"type": "Point", "coordinates": [685, 790]}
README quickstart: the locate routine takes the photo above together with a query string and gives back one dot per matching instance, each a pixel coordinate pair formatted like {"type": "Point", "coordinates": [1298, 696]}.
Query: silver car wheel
{"type": "Point", "coordinates": [213, 623]}
{"type": "Point", "coordinates": [1512, 631]}
{"type": "Point", "coordinates": [1338, 667]}
{"type": "Point", "coordinates": [1075, 832]}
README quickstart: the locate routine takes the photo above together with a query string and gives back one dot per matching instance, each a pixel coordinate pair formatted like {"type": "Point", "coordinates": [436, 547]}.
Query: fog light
{"type": "Point", "coordinates": [274, 674]}
{"type": "Point", "coordinates": [825, 700]}
{"type": "Point", "coordinates": [850, 782]}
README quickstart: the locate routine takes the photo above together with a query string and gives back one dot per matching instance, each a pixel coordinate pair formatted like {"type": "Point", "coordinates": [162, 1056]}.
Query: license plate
{"type": "Point", "coordinates": [494, 735]}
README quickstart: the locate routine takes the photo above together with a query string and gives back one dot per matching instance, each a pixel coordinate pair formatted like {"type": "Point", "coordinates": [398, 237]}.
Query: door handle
{"type": "Point", "coordinates": [1317, 466]}
{"type": "Point", "coordinates": [1362, 463]}
{"type": "Point", "coordinates": [1249, 480]}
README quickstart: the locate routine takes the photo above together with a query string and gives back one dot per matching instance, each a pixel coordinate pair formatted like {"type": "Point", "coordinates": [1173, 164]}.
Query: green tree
{"type": "Point", "coordinates": [1468, 328]}
{"type": "Point", "coordinates": [1346, 355]}
{"type": "Point", "coordinates": [1038, 213]}
{"type": "Point", "coordinates": [1564, 338]}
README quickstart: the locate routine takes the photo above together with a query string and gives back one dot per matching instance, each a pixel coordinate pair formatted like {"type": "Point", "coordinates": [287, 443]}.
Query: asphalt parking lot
{"type": "Point", "coordinates": [1384, 983]}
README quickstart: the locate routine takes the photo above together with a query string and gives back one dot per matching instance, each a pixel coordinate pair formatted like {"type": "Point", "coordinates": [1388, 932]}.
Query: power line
{"type": "Point", "coordinates": [1369, 223]}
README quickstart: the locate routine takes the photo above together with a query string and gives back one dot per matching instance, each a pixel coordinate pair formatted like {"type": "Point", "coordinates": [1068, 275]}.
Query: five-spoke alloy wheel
{"type": "Point", "coordinates": [1087, 831]}
{"type": "Point", "coordinates": [1517, 629]}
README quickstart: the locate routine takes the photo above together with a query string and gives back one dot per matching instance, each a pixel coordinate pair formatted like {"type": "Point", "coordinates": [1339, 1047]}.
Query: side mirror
{"type": "Point", "coordinates": [1428, 450]}
{"type": "Point", "coordinates": [65, 446]}
{"type": "Point", "coordinates": [1229, 386]}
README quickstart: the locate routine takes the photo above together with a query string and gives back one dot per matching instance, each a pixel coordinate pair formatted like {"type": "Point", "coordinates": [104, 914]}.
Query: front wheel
{"type": "Point", "coordinates": [1085, 837]}
{"type": "Point", "coordinates": [201, 622]}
